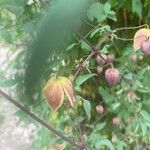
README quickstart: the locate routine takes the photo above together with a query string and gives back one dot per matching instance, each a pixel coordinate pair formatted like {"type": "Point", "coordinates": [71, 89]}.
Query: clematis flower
{"type": "Point", "coordinates": [140, 36]}
{"type": "Point", "coordinates": [112, 76]}
{"type": "Point", "coordinates": [55, 91]}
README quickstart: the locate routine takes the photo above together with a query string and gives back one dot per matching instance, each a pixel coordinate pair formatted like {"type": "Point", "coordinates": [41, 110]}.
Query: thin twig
{"type": "Point", "coordinates": [124, 39]}
{"type": "Point", "coordinates": [42, 122]}
{"type": "Point", "coordinates": [137, 145]}
{"type": "Point", "coordinates": [130, 28]}
{"type": "Point", "coordinates": [125, 18]}
{"type": "Point", "coordinates": [94, 50]}
{"type": "Point", "coordinates": [127, 39]}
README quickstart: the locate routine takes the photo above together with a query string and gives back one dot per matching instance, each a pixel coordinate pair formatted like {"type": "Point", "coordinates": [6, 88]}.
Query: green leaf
{"type": "Point", "coordinates": [6, 36]}
{"type": "Point", "coordinates": [94, 32]}
{"type": "Point", "coordinates": [70, 46]}
{"type": "Point", "coordinates": [85, 46]}
{"type": "Point", "coordinates": [23, 116]}
{"type": "Point", "coordinates": [106, 28]}
{"type": "Point", "coordinates": [143, 128]}
{"type": "Point", "coordinates": [104, 142]}
{"type": "Point", "coordinates": [137, 7]}
{"type": "Point", "coordinates": [87, 108]}
{"type": "Point", "coordinates": [121, 145]}
{"type": "Point", "coordinates": [28, 27]}
{"type": "Point", "coordinates": [104, 50]}
{"type": "Point", "coordinates": [145, 76]}
{"type": "Point", "coordinates": [96, 11]}
{"type": "Point", "coordinates": [129, 77]}
{"type": "Point", "coordinates": [82, 78]}
{"type": "Point", "coordinates": [100, 126]}
{"type": "Point", "coordinates": [145, 115]}
{"type": "Point", "coordinates": [111, 15]}
{"type": "Point", "coordinates": [107, 7]}
{"type": "Point", "coordinates": [107, 97]}
{"type": "Point", "coordinates": [16, 6]}
{"type": "Point", "coordinates": [100, 12]}
{"type": "Point", "coordinates": [8, 83]}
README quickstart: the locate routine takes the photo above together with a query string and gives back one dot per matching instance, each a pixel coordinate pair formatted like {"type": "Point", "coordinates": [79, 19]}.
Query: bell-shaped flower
{"type": "Point", "coordinates": [55, 91]}
{"type": "Point", "coordinates": [140, 36]}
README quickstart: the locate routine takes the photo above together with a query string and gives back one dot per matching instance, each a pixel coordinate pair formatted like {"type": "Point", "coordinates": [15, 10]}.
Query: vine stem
{"type": "Point", "coordinates": [130, 28]}
{"type": "Point", "coordinates": [94, 50]}
{"type": "Point", "coordinates": [42, 122]}
{"type": "Point", "coordinates": [124, 39]}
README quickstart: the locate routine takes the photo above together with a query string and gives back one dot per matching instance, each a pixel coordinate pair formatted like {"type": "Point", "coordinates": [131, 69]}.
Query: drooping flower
{"type": "Point", "coordinates": [140, 36]}
{"type": "Point", "coordinates": [55, 90]}
{"type": "Point", "coordinates": [145, 47]}
{"type": "Point", "coordinates": [112, 76]}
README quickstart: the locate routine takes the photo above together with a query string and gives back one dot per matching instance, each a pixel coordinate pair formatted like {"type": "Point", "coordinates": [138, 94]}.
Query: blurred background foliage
{"type": "Point", "coordinates": [123, 122]}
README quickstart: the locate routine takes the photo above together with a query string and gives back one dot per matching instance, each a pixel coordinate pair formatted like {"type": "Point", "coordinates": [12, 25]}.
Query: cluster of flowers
{"type": "Point", "coordinates": [58, 87]}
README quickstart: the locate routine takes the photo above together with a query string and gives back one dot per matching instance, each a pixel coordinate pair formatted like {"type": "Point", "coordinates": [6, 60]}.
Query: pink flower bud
{"type": "Point", "coordinates": [114, 139]}
{"type": "Point", "coordinates": [133, 58]}
{"type": "Point", "coordinates": [99, 69]}
{"type": "Point", "coordinates": [145, 47]}
{"type": "Point", "coordinates": [101, 59]}
{"type": "Point", "coordinates": [112, 76]}
{"type": "Point", "coordinates": [99, 109]}
{"type": "Point", "coordinates": [116, 121]}
{"type": "Point", "coordinates": [132, 95]}
{"type": "Point", "coordinates": [110, 58]}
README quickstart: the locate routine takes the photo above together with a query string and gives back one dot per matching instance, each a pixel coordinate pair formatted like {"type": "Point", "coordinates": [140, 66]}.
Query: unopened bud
{"type": "Point", "coordinates": [132, 95]}
{"type": "Point", "coordinates": [116, 121]}
{"type": "Point", "coordinates": [112, 76]}
{"type": "Point", "coordinates": [133, 58]}
{"type": "Point", "coordinates": [110, 58]}
{"type": "Point", "coordinates": [99, 109]}
{"type": "Point", "coordinates": [114, 139]}
{"type": "Point", "coordinates": [99, 69]}
{"type": "Point", "coordinates": [101, 59]}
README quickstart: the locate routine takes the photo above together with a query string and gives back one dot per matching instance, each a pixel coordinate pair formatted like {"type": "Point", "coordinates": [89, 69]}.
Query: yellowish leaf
{"type": "Point", "coordinates": [55, 89]}
{"type": "Point", "coordinates": [68, 89]}
{"type": "Point", "coordinates": [54, 93]}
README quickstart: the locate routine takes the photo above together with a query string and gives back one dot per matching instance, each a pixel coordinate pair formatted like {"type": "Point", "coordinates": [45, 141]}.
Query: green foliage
{"type": "Point", "coordinates": [100, 12]}
{"type": "Point", "coordinates": [87, 108]}
{"type": "Point", "coordinates": [53, 32]}
{"type": "Point", "coordinates": [47, 43]}
{"type": "Point", "coordinates": [8, 83]}
{"type": "Point", "coordinates": [137, 7]}
{"type": "Point", "coordinates": [81, 79]}
{"type": "Point", "coordinates": [104, 142]}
